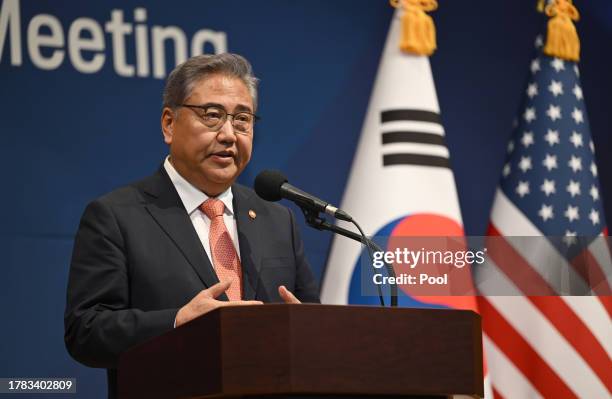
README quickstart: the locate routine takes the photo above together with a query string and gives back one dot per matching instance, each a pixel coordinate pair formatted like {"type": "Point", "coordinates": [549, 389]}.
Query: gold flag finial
{"type": "Point", "coordinates": [562, 39]}
{"type": "Point", "coordinates": [418, 29]}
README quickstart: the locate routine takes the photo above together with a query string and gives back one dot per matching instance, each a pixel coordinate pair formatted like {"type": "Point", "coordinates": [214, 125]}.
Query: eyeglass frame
{"type": "Point", "coordinates": [204, 107]}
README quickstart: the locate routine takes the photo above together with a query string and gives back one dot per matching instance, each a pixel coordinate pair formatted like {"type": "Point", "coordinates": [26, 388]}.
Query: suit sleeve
{"type": "Point", "coordinates": [99, 323]}
{"type": "Point", "coordinates": [306, 288]}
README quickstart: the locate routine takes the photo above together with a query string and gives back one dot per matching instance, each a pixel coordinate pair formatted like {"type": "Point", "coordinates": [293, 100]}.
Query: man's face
{"type": "Point", "coordinates": [210, 159]}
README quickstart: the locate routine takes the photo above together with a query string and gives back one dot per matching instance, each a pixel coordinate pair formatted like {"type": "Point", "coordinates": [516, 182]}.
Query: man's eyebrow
{"type": "Point", "coordinates": [212, 105]}
{"type": "Point", "coordinates": [238, 108]}
{"type": "Point", "coordinates": [241, 108]}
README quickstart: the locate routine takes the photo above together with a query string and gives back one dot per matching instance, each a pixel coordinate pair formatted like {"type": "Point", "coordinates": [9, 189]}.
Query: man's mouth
{"type": "Point", "coordinates": [224, 154]}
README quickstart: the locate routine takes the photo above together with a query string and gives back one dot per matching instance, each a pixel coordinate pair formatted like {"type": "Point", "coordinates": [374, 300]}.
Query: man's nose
{"type": "Point", "coordinates": [226, 132]}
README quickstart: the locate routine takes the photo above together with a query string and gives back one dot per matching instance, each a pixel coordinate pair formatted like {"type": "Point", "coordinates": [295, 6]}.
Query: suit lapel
{"type": "Point", "coordinates": [168, 211]}
{"type": "Point", "coordinates": [249, 239]}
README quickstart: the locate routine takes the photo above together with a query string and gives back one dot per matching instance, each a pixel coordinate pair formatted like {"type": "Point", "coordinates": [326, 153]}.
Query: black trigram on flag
{"type": "Point", "coordinates": [413, 137]}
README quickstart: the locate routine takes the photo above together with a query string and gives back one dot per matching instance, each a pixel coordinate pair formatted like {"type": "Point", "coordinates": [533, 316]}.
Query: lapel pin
{"type": "Point", "coordinates": [252, 214]}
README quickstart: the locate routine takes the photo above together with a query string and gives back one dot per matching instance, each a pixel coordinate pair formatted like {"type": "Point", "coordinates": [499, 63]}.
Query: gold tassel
{"type": "Point", "coordinates": [540, 5]}
{"type": "Point", "coordinates": [562, 39]}
{"type": "Point", "coordinates": [418, 29]}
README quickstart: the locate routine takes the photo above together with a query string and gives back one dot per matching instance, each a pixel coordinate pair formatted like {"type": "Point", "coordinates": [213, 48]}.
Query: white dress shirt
{"type": "Point", "coordinates": [192, 198]}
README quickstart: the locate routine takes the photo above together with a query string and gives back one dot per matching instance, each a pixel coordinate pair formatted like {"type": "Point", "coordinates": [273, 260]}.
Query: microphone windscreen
{"type": "Point", "coordinates": [268, 185]}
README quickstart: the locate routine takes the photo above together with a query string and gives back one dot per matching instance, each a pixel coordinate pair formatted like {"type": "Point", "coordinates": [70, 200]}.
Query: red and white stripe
{"type": "Point", "coordinates": [546, 346]}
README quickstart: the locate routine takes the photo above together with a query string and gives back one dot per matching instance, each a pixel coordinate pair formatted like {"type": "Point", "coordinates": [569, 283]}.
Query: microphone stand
{"type": "Point", "coordinates": [313, 219]}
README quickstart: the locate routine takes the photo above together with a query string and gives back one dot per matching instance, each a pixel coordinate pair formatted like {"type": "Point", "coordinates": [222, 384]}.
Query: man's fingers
{"type": "Point", "coordinates": [287, 295]}
{"type": "Point", "coordinates": [218, 289]}
{"type": "Point", "coordinates": [239, 303]}
{"type": "Point", "coordinates": [205, 301]}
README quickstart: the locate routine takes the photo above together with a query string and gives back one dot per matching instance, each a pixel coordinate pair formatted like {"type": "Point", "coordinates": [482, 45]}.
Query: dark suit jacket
{"type": "Point", "coordinates": [137, 259]}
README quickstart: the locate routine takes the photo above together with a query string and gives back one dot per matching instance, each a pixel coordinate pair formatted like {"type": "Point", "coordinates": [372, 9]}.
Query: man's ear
{"type": "Point", "coordinates": [168, 120]}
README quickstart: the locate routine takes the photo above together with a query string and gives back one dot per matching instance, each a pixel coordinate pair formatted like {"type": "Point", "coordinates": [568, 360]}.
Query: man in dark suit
{"type": "Point", "coordinates": [160, 252]}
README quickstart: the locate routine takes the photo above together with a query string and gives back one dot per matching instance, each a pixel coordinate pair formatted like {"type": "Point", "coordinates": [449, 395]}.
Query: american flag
{"type": "Point", "coordinates": [550, 346]}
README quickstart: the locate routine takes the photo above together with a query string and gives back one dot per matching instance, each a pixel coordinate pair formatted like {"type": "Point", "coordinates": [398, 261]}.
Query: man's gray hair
{"type": "Point", "coordinates": [182, 79]}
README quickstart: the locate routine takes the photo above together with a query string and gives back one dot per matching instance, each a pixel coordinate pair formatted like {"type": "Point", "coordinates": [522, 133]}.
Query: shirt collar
{"type": "Point", "coordinates": [192, 197]}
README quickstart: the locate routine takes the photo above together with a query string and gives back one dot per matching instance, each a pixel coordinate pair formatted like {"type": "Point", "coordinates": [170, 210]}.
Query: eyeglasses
{"type": "Point", "coordinates": [214, 117]}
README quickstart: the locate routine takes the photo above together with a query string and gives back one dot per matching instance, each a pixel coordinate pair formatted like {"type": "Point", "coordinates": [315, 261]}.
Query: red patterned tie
{"type": "Point", "coordinates": [224, 256]}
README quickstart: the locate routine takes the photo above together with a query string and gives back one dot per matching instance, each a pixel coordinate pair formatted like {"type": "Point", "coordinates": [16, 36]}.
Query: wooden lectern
{"type": "Point", "coordinates": [310, 350]}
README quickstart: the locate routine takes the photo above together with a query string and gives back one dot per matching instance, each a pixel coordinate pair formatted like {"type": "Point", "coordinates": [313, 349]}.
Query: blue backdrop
{"type": "Point", "coordinates": [70, 136]}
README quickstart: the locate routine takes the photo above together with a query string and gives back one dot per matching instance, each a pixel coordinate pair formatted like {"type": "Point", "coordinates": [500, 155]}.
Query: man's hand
{"type": "Point", "coordinates": [205, 301]}
{"type": "Point", "coordinates": [286, 295]}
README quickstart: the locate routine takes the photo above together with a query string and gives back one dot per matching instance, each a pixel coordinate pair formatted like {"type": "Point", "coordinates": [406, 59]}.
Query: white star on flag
{"type": "Point", "coordinates": [525, 164]}
{"type": "Point", "coordinates": [550, 162]}
{"type": "Point", "coordinates": [570, 238]}
{"type": "Point", "coordinates": [506, 170]}
{"type": "Point", "coordinates": [554, 112]}
{"type": "Point", "coordinates": [558, 64]}
{"type": "Point", "coordinates": [556, 88]}
{"type": "Point", "coordinates": [532, 90]}
{"type": "Point", "coordinates": [594, 216]}
{"type": "Point", "coordinates": [594, 192]}
{"type": "Point", "coordinates": [546, 212]}
{"type": "Point", "coordinates": [539, 41]}
{"type": "Point", "coordinates": [548, 187]}
{"type": "Point", "coordinates": [577, 92]}
{"type": "Point", "coordinates": [576, 139]}
{"type": "Point", "coordinates": [575, 163]}
{"type": "Point", "coordinates": [573, 188]}
{"type": "Point", "coordinates": [535, 65]}
{"type": "Point", "coordinates": [577, 115]}
{"type": "Point", "coordinates": [530, 114]}
{"type": "Point", "coordinates": [552, 137]}
{"type": "Point", "coordinates": [527, 139]}
{"type": "Point", "coordinates": [593, 169]}
{"type": "Point", "coordinates": [523, 188]}
{"type": "Point", "coordinates": [572, 213]}
{"type": "Point", "coordinates": [510, 146]}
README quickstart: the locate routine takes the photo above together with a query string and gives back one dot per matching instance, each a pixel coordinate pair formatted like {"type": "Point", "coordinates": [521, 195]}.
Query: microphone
{"type": "Point", "coordinates": [272, 185]}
